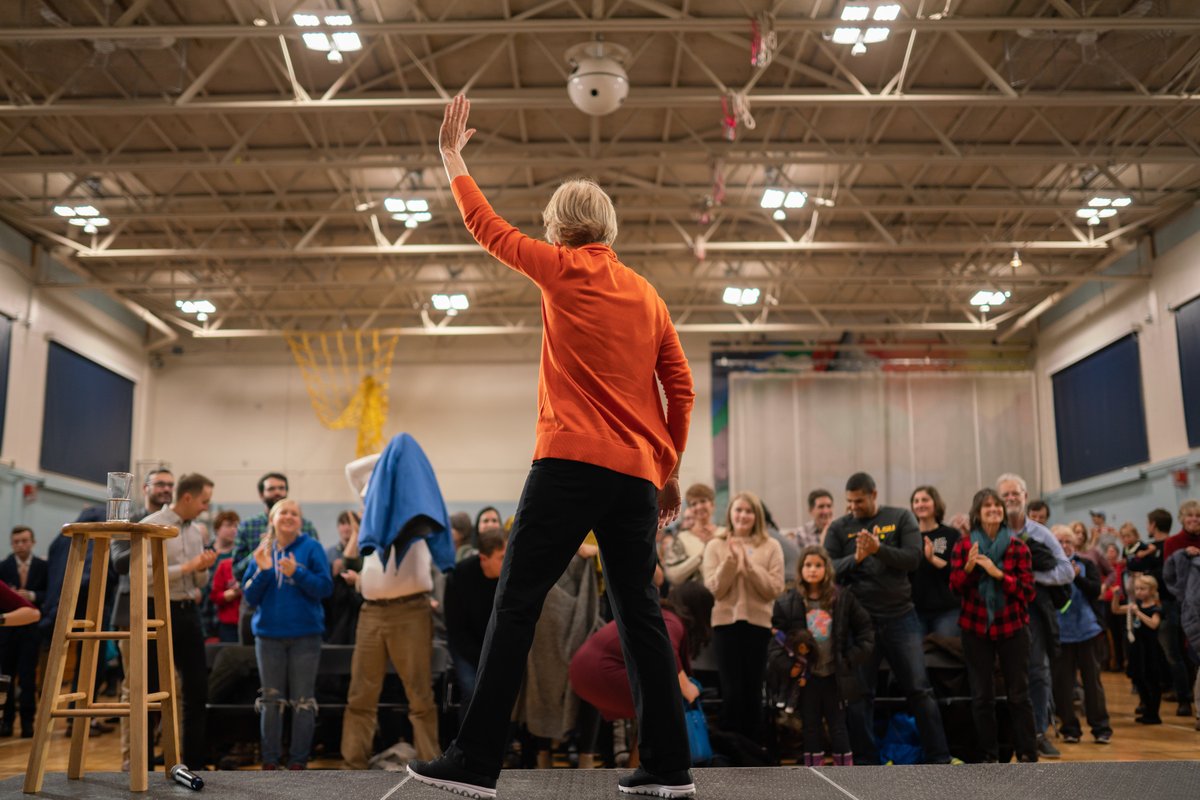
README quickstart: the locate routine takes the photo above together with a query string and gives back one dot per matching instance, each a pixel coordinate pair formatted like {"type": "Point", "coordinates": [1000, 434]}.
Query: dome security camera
{"type": "Point", "coordinates": [597, 84]}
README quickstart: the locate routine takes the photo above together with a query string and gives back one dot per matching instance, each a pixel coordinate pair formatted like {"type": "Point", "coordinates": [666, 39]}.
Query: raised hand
{"type": "Point", "coordinates": [287, 565]}
{"type": "Point", "coordinates": [454, 134]}
{"type": "Point", "coordinates": [262, 557]}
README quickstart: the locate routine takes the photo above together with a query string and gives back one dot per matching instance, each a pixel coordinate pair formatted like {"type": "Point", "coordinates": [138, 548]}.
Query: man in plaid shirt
{"type": "Point", "coordinates": [995, 622]}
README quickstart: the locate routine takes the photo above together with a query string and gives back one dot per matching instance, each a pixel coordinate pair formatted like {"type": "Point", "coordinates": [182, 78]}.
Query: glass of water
{"type": "Point", "coordinates": [120, 503]}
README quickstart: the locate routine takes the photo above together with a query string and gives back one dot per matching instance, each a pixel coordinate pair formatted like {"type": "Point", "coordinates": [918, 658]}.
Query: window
{"type": "Point", "coordinates": [88, 423]}
{"type": "Point", "coordinates": [1099, 418]}
{"type": "Point", "coordinates": [5, 347]}
{"type": "Point", "coordinates": [1187, 331]}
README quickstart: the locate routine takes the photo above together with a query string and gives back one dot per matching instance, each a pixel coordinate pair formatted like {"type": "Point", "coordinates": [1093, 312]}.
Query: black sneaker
{"type": "Point", "coordinates": [446, 772]}
{"type": "Point", "coordinates": [669, 784]}
{"type": "Point", "coordinates": [1071, 738]}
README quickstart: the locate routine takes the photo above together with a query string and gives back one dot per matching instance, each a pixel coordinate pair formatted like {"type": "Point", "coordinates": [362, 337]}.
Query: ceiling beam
{"type": "Point", "coordinates": [605, 27]}
{"type": "Point", "coordinates": [626, 154]}
{"type": "Point", "coordinates": [556, 99]}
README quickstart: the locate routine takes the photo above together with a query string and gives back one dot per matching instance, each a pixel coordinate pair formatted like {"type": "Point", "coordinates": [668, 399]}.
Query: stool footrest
{"type": "Point", "coordinates": [70, 698]}
{"type": "Point", "coordinates": [82, 623]}
{"type": "Point", "coordinates": [114, 635]}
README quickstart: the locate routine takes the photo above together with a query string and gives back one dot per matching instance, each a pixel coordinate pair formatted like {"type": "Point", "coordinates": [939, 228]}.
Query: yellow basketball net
{"type": "Point", "coordinates": [346, 375]}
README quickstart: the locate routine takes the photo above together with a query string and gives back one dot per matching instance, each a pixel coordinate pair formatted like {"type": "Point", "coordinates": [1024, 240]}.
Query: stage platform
{"type": "Point", "coordinates": [1144, 780]}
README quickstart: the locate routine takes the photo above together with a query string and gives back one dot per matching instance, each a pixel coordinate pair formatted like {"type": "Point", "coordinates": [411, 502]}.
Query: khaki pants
{"type": "Point", "coordinates": [401, 632]}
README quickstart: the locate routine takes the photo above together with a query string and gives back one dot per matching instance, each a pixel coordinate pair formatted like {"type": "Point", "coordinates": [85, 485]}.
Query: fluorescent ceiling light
{"type": "Point", "coordinates": [64, 211]}
{"type": "Point", "coordinates": [418, 205]}
{"type": "Point", "coordinates": [735, 296]}
{"type": "Point", "coordinates": [316, 41]}
{"type": "Point", "coordinates": [981, 297]}
{"type": "Point", "coordinates": [99, 221]}
{"type": "Point", "coordinates": [338, 19]}
{"type": "Point", "coordinates": [779, 215]}
{"type": "Point", "coordinates": [1086, 213]}
{"type": "Point", "coordinates": [394, 204]}
{"type": "Point", "coordinates": [441, 302]}
{"type": "Point", "coordinates": [347, 42]}
{"type": "Point", "coordinates": [875, 35]}
{"type": "Point", "coordinates": [87, 211]}
{"type": "Point", "coordinates": [422, 216]}
{"type": "Point", "coordinates": [411, 223]}
{"type": "Point", "coordinates": [306, 20]}
{"type": "Point", "coordinates": [856, 13]}
{"type": "Point", "coordinates": [772, 198]}
{"type": "Point", "coordinates": [846, 35]}
{"type": "Point", "coordinates": [1099, 202]}
{"type": "Point", "coordinates": [887, 12]}
{"type": "Point", "coordinates": [1105, 213]}
{"type": "Point", "coordinates": [459, 302]}
{"type": "Point", "coordinates": [195, 306]}
{"type": "Point", "coordinates": [80, 221]}
{"type": "Point", "coordinates": [1121, 202]}
{"type": "Point", "coordinates": [795, 200]}
{"type": "Point", "coordinates": [448, 302]}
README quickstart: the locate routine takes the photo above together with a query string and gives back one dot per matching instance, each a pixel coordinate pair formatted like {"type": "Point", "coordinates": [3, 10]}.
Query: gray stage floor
{"type": "Point", "coordinates": [1162, 780]}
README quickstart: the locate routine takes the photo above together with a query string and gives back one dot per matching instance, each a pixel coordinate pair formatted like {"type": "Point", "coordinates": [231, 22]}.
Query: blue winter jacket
{"type": "Point", "coordinates": [290, 607]}
{"type": "Point", "coordinates": [403, 486]}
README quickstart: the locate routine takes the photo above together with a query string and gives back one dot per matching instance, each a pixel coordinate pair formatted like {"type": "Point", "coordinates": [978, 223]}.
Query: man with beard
{"type": "Point", "coordinates": [272, 488]}
{"type": "Point", "coordinates": [1052, 576]}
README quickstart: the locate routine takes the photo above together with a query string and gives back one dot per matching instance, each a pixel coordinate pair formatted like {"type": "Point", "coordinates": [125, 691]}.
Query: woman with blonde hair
{"type": "Point", "coordinates": [606, 459]}
{"type": "Point", "coordinates": [743, 568]}
{"type": "Point", "coordinates": [286, 583]}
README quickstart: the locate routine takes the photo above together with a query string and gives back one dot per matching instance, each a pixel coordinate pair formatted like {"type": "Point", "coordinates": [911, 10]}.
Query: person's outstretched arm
{"type": "Point", "coordinates": [454, 135]}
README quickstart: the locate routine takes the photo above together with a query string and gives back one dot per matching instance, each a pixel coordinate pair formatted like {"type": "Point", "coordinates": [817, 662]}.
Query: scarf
{"type": "Point", "coordinates": [989, 587]}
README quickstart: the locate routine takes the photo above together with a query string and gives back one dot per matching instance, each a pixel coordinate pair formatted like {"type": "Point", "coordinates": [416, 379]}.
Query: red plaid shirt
{"type": "Point", "coordinates": [1017, 586]}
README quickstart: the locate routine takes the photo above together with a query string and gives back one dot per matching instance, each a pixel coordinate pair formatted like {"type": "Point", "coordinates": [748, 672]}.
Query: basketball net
{"type": "Point", "coordinates": [346, 375]}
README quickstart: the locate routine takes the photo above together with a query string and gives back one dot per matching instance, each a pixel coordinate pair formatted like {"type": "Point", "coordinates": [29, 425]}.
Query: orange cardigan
{"type": "Point", "coordinates": [606, 334]}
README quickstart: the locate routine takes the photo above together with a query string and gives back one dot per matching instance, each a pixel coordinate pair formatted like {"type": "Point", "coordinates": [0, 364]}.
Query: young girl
{"type": "Point", "coordinates": [844, 638]}
{"type": "Point", "coordinates": [1147, 662]}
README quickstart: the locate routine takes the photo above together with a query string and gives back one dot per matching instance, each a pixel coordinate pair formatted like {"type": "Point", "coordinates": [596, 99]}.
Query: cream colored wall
{"type": "Point", "coordinates": [238, 411]}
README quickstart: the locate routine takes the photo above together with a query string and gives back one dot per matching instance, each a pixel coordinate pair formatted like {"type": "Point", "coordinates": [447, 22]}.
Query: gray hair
{"type": "Point", "coordinates": [1015, 478]}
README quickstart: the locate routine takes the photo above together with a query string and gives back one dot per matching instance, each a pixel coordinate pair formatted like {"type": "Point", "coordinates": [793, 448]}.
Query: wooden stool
{"type": "Point", "coordinates": [144, 540]}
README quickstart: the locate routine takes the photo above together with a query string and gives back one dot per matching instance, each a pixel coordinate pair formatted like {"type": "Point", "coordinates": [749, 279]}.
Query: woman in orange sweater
{"type": "Point", "coordinates": [743, 568]}
{"type": "Point", "coordinates": [606, 459]}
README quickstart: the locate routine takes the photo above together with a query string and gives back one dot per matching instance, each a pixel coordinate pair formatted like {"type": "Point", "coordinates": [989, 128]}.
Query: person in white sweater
{"type": "Point", "coordinates": [743, 568]}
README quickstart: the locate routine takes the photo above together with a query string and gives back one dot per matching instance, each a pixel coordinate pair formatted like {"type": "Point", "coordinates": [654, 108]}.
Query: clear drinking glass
{"type": "Point", "coordinates": [120, 503]}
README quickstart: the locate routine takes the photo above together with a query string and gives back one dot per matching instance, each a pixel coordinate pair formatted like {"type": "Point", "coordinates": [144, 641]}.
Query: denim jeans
{"type": "Point", "coordinates": [288, 671]}
{"type": "Point", "coordinates": [563, 500]}
{"type": "Point", "coordinates": [899, 640]}
{"type": "Point", "coordinates": [464, 674]}
{"type": "Point", "coordinates": [1039, 673]}
{"type": "Point", "coordinates": [940, 623]}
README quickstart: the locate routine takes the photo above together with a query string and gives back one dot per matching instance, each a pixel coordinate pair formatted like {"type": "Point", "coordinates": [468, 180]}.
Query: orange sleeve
{"type": "Point", "coordinates": [532, 257]}
{"type": "Point", "coordinates": [676, 378]}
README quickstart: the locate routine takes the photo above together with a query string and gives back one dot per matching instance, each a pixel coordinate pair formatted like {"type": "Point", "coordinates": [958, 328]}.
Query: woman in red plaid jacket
{"type": "Point", "coordinates": [991, 570]}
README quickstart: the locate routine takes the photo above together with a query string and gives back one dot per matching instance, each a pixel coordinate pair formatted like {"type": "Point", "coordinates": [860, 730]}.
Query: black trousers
{"type": "Point", "coordinates": [19, 648]}
{"type": "Point", "coordinates": [561, 502]}
{"type": "Point", "coordinates": [1013, 652]}
{"type": "Point", "coordinates": [741, 653]}
{"type": "Point", "coordinates": [187, 640]}
{"type": "Point", "coordinates": [822, 707]}
{"type": "Point", "coordinates": [1082, 658]}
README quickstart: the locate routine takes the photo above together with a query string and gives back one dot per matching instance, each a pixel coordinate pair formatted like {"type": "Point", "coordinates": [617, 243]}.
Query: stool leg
{"type": "Point", "coordinates": [56, 665]}
{"type": "Point", "coordinates": [89, 652]}
{"type": "Point", "coordinates": [166, 659]}
{"type": "Point", "coordinates": [135, 670]}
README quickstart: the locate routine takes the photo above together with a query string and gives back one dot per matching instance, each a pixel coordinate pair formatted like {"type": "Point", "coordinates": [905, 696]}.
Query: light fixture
{"type": "Point", "coordinates": [195, 306]}
{"type": "Point", "coordinates": [331, 44]}
{"type": "Point", "coordinates": [795, 200]}
{"type": "Point", "coordinates": [735, 296]}
{"type": "Point", "coordinates": [412, 212]}
{"type": "Point", "coordinates": [1103, 206]}
{"type": "Point", "coordinates": [986, 298]}
{"type": "Point", "coordinates": [859, 37]}
{"type": "Point", "coordinates": [451, 302]}
{"type": "Point", "coordinates": [779, 215]}
{"type": "Point", "coordinates": [64, 211]}
{"type": "Point", "coordinates": [1016, 260]}
{"type": "Point", "coordinates": [772, 198]}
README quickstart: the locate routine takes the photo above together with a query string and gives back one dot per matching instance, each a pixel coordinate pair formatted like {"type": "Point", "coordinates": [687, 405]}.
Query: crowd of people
{"type": "Point", "coordinates": [788, 625]}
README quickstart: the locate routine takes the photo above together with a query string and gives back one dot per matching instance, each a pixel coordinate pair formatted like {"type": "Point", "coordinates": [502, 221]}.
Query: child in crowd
{"type": "Point", "coordinates": [1147, 661]}
{"type": "Point", "coordinates": [843, 637]}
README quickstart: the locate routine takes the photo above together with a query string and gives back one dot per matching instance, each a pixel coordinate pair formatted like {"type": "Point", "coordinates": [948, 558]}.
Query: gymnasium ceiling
{"type": "Point", "coordinates": [236, 166]}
